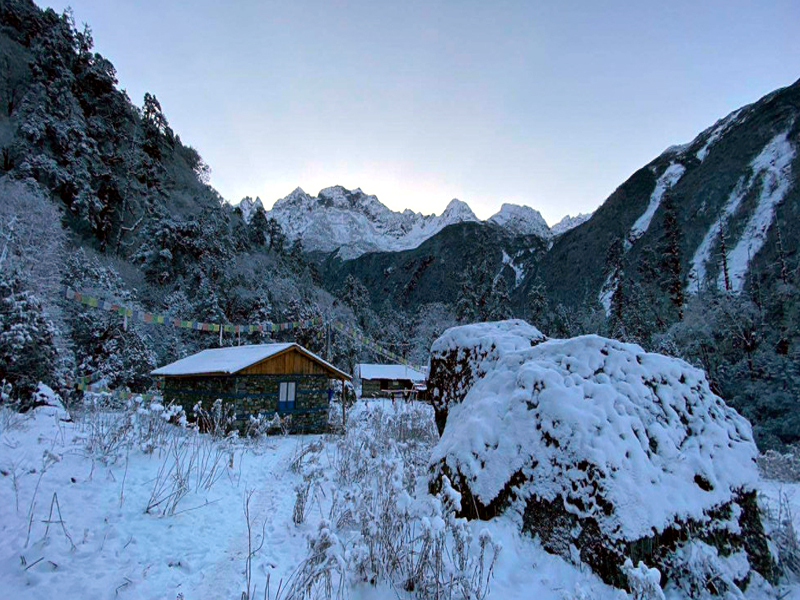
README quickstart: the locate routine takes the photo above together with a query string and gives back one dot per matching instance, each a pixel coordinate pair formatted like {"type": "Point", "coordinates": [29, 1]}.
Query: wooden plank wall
{"type": "Point", "coordinates": [287, 363]}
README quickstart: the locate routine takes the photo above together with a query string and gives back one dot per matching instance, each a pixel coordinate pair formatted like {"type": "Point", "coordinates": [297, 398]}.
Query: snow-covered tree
{"type": "Point", "coordinates": [27, 347]}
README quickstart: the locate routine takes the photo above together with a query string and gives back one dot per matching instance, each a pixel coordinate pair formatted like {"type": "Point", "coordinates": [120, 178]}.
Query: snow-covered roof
{"type": "Point", "coordinates": [226, 361]}
{"type": "Point", "coordinates": [394, 372]}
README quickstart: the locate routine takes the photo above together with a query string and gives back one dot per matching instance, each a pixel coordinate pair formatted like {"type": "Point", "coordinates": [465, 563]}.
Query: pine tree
{"type": "Point", "coordinates": [536, 300]}
{"type": "Point", "coordinates": [277, 239]}
{"type": "Point", "coordinates": [724, 257]}
{"type": "Point", "coordinates": [27, 348]}
{"type": "Point", "coordinates": [469, 305]}
{"type": "Point", "coordinates": [257, 227]}
{"type": "Point", "coordinates": [672, 256]}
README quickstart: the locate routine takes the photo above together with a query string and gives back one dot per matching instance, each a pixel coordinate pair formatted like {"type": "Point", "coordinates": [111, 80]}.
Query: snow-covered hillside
{"type": "Point", "coordinates": [356, 223]}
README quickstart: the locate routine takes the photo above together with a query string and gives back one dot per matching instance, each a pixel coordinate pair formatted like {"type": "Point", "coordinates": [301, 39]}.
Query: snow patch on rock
{"type": "Point", "coordinates": [668, 179]}
{"type": "Point", "coordinates": [716, 131]}
{"type": "Point", "coordinates": [248, 206]}
{"type": "Point", "coordinates": [519, 272]}
{"type": "Point", "coordinates": [772, 167]}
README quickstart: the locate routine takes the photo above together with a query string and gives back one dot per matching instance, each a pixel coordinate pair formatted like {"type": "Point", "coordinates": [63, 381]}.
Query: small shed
{"type": "Point", "coordinates": [286, 379]}
{"type": "Point", "coordinates": [388, 380]}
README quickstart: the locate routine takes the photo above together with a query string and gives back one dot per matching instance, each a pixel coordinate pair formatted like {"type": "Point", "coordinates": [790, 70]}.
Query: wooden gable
{"type": "Point", "coordinates": [292, 361]}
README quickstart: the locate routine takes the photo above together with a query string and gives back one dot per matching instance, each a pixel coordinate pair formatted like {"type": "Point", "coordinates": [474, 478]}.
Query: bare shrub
{"type": "Point", "coordinates": [111, 426]}
{"type": "Point", "coordinates": [378, 531]}
{"type": "Point", "coordinates": [253, 548]}
{"type": "Point", "coordinates": [262, 425]}
{"type": "Point", "coordinates": [192, 457]}
{"type": "Point", "coordinates": [784, 536]}
{"type": "Point", "coordinates": [217, 421]}
{"type": "Point", "coordinates": [781, 467]}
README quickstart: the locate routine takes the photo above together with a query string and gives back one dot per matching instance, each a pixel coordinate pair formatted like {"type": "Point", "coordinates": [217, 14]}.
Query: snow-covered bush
{"type": "Point", "coordinates": [464, 354]}
{"type": "Point", "coordinates": [219, 420]}
{"type": "Point", "coordinates": [700, 571]}
{"type": "Point", "coordinates": [644, 583]}
{"type": "Point", "coordinates": [606, 448]}
{"type": "Point", "coordinates": [111, 426]}
{"type": "Point", "coordinates": [261, 425]}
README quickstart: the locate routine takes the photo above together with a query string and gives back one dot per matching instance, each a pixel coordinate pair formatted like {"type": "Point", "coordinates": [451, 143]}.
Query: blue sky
{"type": "Point", "coordinates": [549, 104]}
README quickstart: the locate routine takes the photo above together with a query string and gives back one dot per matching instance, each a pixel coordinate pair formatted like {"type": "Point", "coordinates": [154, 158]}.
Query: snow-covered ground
{"type": "Point", "coordinates": [74, 520]}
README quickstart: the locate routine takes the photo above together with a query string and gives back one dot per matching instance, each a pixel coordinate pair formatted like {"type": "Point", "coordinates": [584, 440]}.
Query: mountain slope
{"type": "Point", "coordinates": [741, 173]}
{"type": "Point", "coordinates": [432, 272]}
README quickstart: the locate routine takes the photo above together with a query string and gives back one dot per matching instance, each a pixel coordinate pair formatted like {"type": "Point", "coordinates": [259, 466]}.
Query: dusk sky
{"type": "Point", "coordinates": [551, 104]}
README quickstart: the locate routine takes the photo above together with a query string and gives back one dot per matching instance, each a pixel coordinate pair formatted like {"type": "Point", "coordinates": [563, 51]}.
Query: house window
{"type": "Point", "coordinates": [286, 395]}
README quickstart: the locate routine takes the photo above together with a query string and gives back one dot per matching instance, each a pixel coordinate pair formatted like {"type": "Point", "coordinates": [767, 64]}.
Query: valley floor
{"type": "Point", "coordinates": [74, 521]}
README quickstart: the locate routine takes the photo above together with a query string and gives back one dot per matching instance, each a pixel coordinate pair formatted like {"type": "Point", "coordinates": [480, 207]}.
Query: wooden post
{"type": "Point", "coordinates": [344, 407]}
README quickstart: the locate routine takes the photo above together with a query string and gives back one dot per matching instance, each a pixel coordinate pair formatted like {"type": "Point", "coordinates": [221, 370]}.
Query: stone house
{"type": "Point", "coordinates": [265, 379]}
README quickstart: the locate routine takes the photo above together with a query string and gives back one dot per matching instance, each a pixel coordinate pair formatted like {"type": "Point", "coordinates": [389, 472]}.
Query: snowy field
{"type": "Point", "coordinates": [125, 505]}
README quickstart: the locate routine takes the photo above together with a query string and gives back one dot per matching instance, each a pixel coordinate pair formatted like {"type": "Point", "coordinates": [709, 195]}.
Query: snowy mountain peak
{"type": "Point", "coordinates": [355, 223]}
{"type": "Point", "coordinates": [569, 222]}
{"type": "Point", "coordinates": [521, 220]}
{"type": "Point", "coordinates": [458, 211]}
{"type": "Point", "coordinates": [248, 206]}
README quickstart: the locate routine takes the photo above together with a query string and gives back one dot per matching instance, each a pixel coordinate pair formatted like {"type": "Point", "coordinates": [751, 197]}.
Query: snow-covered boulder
{"type": "Point", "coordinates": [608, 450]}
{"type": "Point", "coordinates": [47, 401]}
{"type": "Point", "coordinates": [464, 354]}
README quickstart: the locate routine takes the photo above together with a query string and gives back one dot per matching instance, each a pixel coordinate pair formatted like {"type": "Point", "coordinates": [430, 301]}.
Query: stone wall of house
{"type": "Point", "coordinates": [371, 389]}
{"type": "Point", "coordinates": [251, 395]}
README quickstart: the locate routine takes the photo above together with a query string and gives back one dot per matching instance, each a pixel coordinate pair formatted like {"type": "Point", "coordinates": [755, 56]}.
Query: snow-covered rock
{"type": "Point", "coordinates": [464, 354]}
{"type": "Point", "coordinates": [248, 206]}
{"type": "Point", "coordinates": [605, 445]}
{"type": "Point", "coordinates": [521, 220]}
{"type": "Point", "coordinates": [568, 222]}
{"type": "Point", "coordinates": [47, 401]}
